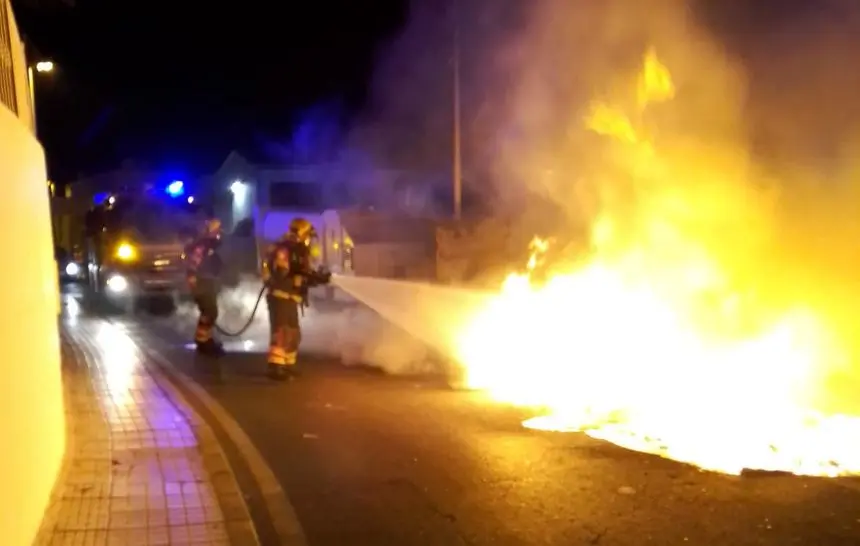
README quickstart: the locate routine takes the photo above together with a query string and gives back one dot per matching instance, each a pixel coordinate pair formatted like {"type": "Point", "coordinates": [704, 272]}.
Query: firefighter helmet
{"type": "Point", "coordinates": [302, 229]}
{"type": "Point", "coordinates": [212, 226]}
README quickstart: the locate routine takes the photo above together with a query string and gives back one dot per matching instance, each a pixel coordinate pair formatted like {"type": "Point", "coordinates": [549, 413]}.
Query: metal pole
{"type": "Point", "coordinates": [457, 167]}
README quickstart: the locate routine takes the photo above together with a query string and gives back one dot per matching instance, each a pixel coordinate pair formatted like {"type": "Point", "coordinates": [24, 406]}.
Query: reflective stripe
{"type": "Point", "coordinates": [277, 355]}
{"type": "Point", "coordinates": [284, 295]}
{"type": "Point", "coordinates": [279, 361]}
{"type": "Point", "coordinates": [281, 357]}
{"type": "Point", "coordinates": [203, 334]}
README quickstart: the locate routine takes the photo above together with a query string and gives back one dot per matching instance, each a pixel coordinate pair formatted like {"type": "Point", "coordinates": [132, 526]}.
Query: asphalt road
{"type": "Point", "coordinates": [367, 459]}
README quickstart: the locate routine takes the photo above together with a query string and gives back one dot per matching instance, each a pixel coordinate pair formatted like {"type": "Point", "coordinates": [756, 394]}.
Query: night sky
{"type": "Point", "coordinates": [182, 87]}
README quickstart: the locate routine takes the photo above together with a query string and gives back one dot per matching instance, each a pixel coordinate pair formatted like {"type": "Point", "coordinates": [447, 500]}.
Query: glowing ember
{"type": "Point", "coordinates": [649, 346]}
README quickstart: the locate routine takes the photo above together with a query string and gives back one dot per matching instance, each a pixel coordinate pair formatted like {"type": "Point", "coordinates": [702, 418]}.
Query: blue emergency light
{"type": "Point", "coordinates": [176, 188]}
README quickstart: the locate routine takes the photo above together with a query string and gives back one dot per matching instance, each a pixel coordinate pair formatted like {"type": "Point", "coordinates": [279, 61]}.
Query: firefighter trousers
{"type": "Point", "coordinates": [206, 297]}
{"type": "Point", "coordinates": [285, 331]}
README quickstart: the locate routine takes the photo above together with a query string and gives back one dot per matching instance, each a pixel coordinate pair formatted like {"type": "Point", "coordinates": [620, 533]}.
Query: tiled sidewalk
{"type": "Point", "coordinates": [141, 468]}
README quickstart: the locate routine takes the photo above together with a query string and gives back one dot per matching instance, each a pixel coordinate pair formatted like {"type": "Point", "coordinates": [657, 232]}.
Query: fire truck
{"type": "Point", "coordinates": [134, 246]}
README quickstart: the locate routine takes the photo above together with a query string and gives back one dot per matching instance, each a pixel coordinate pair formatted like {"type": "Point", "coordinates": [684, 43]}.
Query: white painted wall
{"type": "Point", "coordinates": [32, 419]}
{"type": "Point", "coordinates": [477, 253]}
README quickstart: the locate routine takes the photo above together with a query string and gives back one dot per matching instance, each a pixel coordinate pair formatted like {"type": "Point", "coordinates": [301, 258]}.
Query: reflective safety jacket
{"type": "Point", "coordinates": [202, 260]}
{"type": "Point", "coordinates": [287, 269]}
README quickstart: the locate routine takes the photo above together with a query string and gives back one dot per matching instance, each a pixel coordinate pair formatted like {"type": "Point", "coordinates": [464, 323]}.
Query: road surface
{"type": "Point", "coordinates": [367, 459]}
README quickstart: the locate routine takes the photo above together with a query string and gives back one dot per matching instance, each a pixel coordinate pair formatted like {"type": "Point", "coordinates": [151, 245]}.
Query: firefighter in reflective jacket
{"type": "Point", "coordinates": [288, 275]}
{"type": "Point", "coordinates": [203, 267]}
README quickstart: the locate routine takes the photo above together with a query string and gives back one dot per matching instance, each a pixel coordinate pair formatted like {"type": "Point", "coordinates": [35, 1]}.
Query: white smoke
{"type": "Point", "coordinates": [345, 330]}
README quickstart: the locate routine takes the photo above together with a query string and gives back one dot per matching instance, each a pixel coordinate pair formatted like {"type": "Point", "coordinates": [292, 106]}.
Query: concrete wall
{"type": "Point", "coordinates": [32, 420]}
{"type": "Point", "coordinates": [67, 217]}
{"type": "Point", "coordinates": [479, 253]}
{"type": "Point", "coordinates": [394, 261]}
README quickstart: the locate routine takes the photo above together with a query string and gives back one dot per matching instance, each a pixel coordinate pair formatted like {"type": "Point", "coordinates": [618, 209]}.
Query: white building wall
{"type": "Point", "coordinates": [32, 418]}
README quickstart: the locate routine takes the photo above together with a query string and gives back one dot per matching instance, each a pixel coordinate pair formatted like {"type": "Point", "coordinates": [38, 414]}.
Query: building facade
{"type": "Point", "coordinates": [372, 222]}
{"type": "Point", "coordinates": [247, 185]}
{"type": "Point", "coordinates": [32, 418]}
{"type": "Point", "coordinates": [16, 90]}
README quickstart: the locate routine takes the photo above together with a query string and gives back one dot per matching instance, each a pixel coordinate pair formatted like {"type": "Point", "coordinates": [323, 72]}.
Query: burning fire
{"type": "Point", "coordinates": [649, 345]}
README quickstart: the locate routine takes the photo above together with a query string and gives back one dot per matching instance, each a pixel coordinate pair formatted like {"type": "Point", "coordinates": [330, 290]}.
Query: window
{"type": "Point", "coordinates": [296, 195]}
{"type": "Point", "coordinates": [7, 70]}
{"type": "Point", "coordinates": [147, 219]}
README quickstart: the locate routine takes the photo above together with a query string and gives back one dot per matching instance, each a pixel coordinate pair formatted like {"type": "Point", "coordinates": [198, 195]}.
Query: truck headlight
{"type": "Point", "coordinates": [73, 269]}
{"type": "Point", "coordinates": [117, 283]}
{"type": "Point", "coordinates": [125, 252]}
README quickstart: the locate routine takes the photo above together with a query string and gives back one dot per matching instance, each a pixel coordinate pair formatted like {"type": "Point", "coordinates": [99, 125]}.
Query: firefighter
{"type": "Point", "coordinates": [203, 266]}
{"type": "Point", "coordinates": [288, 275]}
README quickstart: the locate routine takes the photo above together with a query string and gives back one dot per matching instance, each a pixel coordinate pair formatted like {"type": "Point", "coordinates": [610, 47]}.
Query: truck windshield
{"type": "Point", "coordinates": [152, 221]}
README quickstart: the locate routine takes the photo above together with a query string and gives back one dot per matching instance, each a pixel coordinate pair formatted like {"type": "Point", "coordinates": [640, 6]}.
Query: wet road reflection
{"type": "Point", "coordinates": [120, 360]}
{"type": "Point", "coordinates": [236, 346]}
{"type": "Point", "coordinates": [138, 412]}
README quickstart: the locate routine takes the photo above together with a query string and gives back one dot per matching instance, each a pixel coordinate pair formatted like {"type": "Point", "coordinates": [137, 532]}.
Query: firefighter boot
{"type": "Point", "coordinates": [279, 372]}
{"type": "Point", "coordinates": [210, 348]}
{"type": "Point", "coordinates": [216, 348]}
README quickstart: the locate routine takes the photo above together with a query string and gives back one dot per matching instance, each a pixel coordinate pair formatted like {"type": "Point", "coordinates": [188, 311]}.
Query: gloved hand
{"type": "Point", "coordinates": [320, 277]}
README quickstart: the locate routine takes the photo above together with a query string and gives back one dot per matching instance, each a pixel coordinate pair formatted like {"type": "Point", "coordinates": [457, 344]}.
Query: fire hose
{"type": "Point", "coordinates": [321, 277]}
{"type": "Point", "coordinates": [247, 325]}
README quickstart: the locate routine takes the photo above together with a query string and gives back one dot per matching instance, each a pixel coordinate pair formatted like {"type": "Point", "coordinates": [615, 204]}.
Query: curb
{"type": "Point", "coordinates": [281, 512]}
{"type": "Point", "coordinates": [237, 518]}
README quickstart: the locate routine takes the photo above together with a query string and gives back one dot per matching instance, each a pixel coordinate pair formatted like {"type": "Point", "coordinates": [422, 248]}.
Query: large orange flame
{"type": "Point", "coordinates": [650, 345]}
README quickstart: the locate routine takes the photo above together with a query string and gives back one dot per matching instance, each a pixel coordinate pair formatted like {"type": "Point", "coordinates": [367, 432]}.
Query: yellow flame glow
{"type": "Point", "coordinates": [650, 345]}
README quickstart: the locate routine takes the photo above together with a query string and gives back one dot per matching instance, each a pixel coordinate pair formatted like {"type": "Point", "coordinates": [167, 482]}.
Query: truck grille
{"type": "Point", "coordinates": [164, 263]}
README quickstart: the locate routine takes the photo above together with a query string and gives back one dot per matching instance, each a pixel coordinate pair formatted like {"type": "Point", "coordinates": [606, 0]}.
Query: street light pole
{"type": "Point", "coordinates": [41, 67]}
{"type": "Point", "coordinates": [457, 166]}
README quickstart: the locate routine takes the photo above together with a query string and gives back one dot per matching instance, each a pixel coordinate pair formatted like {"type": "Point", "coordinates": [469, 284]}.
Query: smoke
{"type": "Point", "coordinates": [757, 164]}
{"type": "Point", "coordinates": [345, 331]}
{"type": "Point", "coordinates": [765, 97]}
{"type": "Point", "coordinates": [316, 137]}
{"type": "Point", "coordinates": [593, 52]}
{"type": "Point", "coordinates": [805, 117]}
{"type": "Point", "coordinates": [752, 162]}
{"type": "Point", "coordinates": [527, 72]}
{"type": "Point", "coordinates": [407, 122]}
{"type": "Point", "coordinates": [749, 164]}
